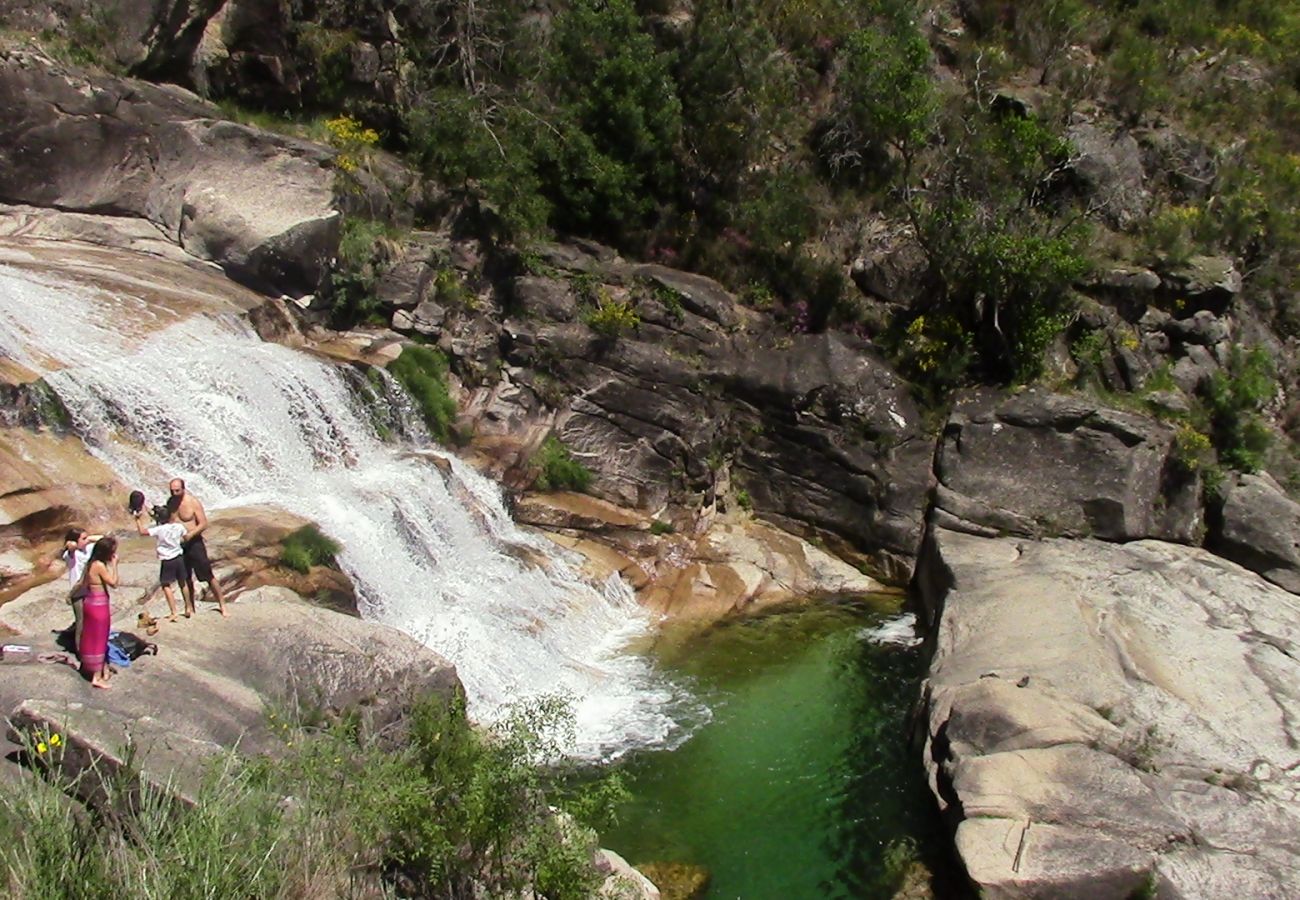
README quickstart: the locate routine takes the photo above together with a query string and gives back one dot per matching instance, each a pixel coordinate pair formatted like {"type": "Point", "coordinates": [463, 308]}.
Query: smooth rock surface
{"type": "Point", "coordinates": [1101, 717]}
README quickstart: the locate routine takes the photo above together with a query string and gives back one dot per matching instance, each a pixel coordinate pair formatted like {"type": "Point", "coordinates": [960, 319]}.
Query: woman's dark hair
{"type": "Point", "coordinates": [103, 551]}
{"type": "Point", "coordinates": [73, 535]}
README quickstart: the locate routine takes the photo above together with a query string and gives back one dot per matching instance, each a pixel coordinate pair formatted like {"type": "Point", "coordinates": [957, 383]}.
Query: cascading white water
{"type": "Point", "coordinates": [247, 422]}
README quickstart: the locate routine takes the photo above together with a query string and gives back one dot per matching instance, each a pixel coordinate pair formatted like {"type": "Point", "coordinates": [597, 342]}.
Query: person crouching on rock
{"type": "Point", "coordinates": [192, 515]}
{"type": "Point", "coordinates": [170, 534]}
{"type": "Point", "coordinates": [97, 615]}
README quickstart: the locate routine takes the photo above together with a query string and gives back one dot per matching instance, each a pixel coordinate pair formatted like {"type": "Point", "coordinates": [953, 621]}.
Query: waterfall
{"type": "Point", "coordinates": [437, 556]}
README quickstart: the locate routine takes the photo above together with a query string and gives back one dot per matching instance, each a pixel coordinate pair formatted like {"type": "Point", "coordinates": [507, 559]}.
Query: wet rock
{"type": "Point", "coordinates": [678, 881]}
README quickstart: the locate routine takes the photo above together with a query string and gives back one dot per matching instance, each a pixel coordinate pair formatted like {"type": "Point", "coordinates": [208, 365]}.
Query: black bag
{"type": "Point", "coordinates": [132, 646]}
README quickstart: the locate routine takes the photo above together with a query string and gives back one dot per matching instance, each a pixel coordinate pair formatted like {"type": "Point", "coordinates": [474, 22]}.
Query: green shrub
{"type": "Point", "coordinates": [308, 547]}
{"type": "Point", "coordinates": [658, 526]}
{"type": "Point", "coordinates": [1235, 396]}
{"type": "Point", "coordinates": [423, 372]}
{"type": "Point", "coordinates": [365, 248]}
{"type": "Point", "coordinates": [1192, 449]}
{"type": "Point", "coordinates": [558, 470]}
{"type": "Point", "coordinates": [610, 316]}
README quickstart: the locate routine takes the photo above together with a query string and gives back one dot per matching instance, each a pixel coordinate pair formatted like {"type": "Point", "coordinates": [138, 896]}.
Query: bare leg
{"type": "Point", "coordinates": [171, 602]}
{"type": "Point", "coordinates": [216, 592]}
{"type": "Point", "coordinates": [187, 586]}
{"type": "Point", "coordinates": [76, 633]}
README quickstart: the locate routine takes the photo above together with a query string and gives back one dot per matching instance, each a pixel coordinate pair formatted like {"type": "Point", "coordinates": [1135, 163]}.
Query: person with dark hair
{"type": "Point", "coordinates": [191, 513]}
{"type": "Point", "coordinates": [170, 534]}
{"type": "Point", "coordinates": [97, 614]}
{"type": "Point", "coordinates": [78, 544]}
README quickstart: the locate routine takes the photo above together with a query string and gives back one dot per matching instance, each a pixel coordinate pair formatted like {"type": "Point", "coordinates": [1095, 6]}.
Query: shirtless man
{"type": "Point", "coordinates": [195, 518]}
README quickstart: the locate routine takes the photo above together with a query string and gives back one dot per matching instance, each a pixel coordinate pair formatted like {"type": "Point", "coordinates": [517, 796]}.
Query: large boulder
{"type": "Point", "coordinates": [1103, 719]}
{"type": "Point", "coordinates": [99, 144]}
{"type": "Point", "coordinates": [1039, 463]}
{"type": "Point", "coordinates": [1107, 162]}
{"type": "Point", "coordinates": [1260, 529]}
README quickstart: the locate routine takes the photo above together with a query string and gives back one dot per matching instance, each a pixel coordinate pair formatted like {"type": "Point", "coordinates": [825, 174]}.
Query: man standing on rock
{"type": "Point", "coordinates": [195, 551]}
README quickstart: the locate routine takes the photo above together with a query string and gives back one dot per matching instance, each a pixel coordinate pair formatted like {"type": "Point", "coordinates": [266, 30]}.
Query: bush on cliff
{"type": "Point", "coordinates": [451, 812]}
{"type": "Point", "coordinates": [557, 469]}
{"type": "Point", "coordinates": [423, 372]}
{"type": "Point", "coordinates": [308, 547]}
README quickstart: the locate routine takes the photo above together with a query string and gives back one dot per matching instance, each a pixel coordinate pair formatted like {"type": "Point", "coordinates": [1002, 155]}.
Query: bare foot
{"type": "Point", "coordinates": [172, 617]}
{"type": "Point", "coordinates": [189, 613]}
{"type": "Point", "coordinates": [102, 685]}
{"type": "Point", "coordinates": [224, 614]}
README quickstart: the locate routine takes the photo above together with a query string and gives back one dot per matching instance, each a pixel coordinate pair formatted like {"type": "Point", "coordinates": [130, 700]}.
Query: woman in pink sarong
{"type": "Point", "coordinates": [92, 647]}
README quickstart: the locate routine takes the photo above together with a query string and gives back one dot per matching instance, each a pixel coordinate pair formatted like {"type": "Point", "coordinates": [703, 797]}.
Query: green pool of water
{"type": "Point", "coordinates": [802, 784]}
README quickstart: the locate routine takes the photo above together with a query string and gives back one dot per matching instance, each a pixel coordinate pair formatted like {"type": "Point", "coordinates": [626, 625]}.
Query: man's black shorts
{"type": "Point", "coordinates": [195, 553]}
{"type": "Point", "coordinates": [172, 571]}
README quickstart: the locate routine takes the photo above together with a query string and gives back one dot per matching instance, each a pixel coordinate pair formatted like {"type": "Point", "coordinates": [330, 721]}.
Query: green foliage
{"type": "Point", "coordinates": [451, 291]}
{"type": "Point", "coordinates": [618, 118]}
{"type": "Point", "coordinates": [446, 810]}
{"type": "Point", "coordinates": [1139, 73]}
{"type": "Point", "coordinates": [89, 37]}
{"type": "Point", "coordinates": [1170, 235]}
{"type": "Point", "coordinates": [308, 547]}
{"type": "Point", "coordinates": [1090, 351]}
{"type": "Point", "coordinates": [1006, 286]}
{"type": "Point", "coordinates": [365, 248]}
{"type": "Point", "coordinates": [743, 500]}
{"type": "Point", "coordinates": [557, 469]}
{"type": "Point", "coordinates": [1234, 398]}
{"type": "Point", "coordinates": [1193, 451]}
{"type": "Point", "coordinates": [934, 351]}
{"type": "Point", "coordinates": [738, 93]}
{"type": "Point", "coordinates": [885, 95]}
{"type": "Point", "coordinates": [423, 372]}
{"type": "Point", "coordinates": [610, 316]}
{"type": "Point", "coordinates": [326, 51]}
{"type": "Point", "coordinates": [658, 526]}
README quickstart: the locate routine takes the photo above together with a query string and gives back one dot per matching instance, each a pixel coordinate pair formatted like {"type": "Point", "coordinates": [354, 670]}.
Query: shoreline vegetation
{"type": "Point", "coordinates": [431, 807]}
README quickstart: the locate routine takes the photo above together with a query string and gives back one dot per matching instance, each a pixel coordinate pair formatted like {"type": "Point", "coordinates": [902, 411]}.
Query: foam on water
{"type": "Point", "coordinates": [900, 630]}
{"type": "Point", "coordinates": [247, 422]}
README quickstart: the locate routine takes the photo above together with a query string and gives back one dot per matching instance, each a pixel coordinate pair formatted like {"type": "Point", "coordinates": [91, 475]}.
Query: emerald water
{"type": "Point", "coordinates": [801, 785]}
